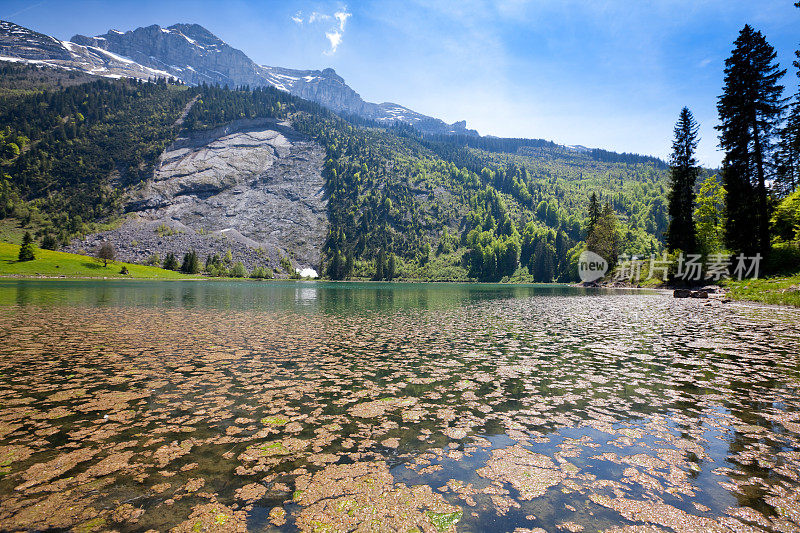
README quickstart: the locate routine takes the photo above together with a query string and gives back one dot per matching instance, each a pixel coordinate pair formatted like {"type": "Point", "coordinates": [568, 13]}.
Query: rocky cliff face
{"type": "Point", "coordinates": [322, 86]}
{"type": "Point", "coordinates": [195, 55]}
{"type": "Point", "coordinates": [187, 51]}
{"type": "Point", "coordinates": [18, 44]}
{"type": "Point", "coordinates": [254, 187]}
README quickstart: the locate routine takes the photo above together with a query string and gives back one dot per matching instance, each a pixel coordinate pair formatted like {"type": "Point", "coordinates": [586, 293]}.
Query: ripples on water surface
{"type": "Point", "coordinates": [202, 406]}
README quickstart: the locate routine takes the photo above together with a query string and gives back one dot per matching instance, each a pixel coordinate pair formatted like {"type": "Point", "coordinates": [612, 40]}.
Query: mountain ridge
{"type": "Point", "coordinates": [194, 55]}
{"type": "Point", "coordinates": [20, 44]}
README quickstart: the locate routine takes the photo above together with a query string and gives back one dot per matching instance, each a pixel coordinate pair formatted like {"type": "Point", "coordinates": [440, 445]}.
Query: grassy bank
{"type": "Point", "coordinates": [48, 263]}
{"type": "Point", "coordinates": [781, 290]}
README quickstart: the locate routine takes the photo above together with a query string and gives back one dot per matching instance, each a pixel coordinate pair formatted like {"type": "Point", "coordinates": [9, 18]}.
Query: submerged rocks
{"type": "Point", "coordinates": [688, 293]}
{"type": "Point", "coordinates": [359, 496]}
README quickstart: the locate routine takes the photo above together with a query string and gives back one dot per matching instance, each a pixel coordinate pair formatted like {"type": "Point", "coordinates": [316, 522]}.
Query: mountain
{"type": "Point", "coordinates": [194, 55]}
{"type": "Point", "coordinates": [266, 178]}
{"type": "Point", "coordinates": [266, 174]}
{"type": "Point", "coordinates": [21, 45]}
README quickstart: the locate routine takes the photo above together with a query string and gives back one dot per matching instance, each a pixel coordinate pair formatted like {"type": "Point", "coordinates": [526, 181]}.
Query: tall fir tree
{"type": "Point", "coordinates": [681, 234]}
{"type": "Point", "coordinates": [27, 252]}
{"type": "Point", "coordinates": [380, 265]}
{"type": "Point", "coordinates": [750, 110]}
{"type": "Point", "coordinates": [603, 240]}
{"type": "Point", "coordinates": [787, 176]}
{"type": "Point", "coordinates": [391, 267]}
{"type": "Point", "coordinates": [594, 214]}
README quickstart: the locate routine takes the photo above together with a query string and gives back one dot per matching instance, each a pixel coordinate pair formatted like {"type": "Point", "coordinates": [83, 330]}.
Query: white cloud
{"type": "Point", "coordinates": [315, 16]}
{"type": "Point", "coordinates": [333, 24]}
{"type": "Point", "coordinates": [342, 17]}
{"type": "Point", "coordinates": [335, 38]}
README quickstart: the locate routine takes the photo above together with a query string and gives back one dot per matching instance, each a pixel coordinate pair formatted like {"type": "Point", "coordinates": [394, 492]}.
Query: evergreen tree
{"type": "Point", "coordinates": [191, 264]}
{"type": "Point", "coordinates": [170, 263]}
{"type": "Point", "coordinates": [27, 252]}
{"type": "Point", "coordinates": [683, 174]}
{"type": "Point", "coordinates": [49, 242]}
{"type": "Point", "coordinates": [336, 266]}
{"type": "Point", "coordinates": [604, 240]}
{"type": "Point", "coordinates": [787, 172]}
{"type": "Point", "coordinates": [390, 267]}
{"type": "Point", "coordinates": [594, 214]}
{"type": "Point", "coordinates": [543, 259]}
{"type": "Point", "coordinates": [380, 265]}
{"type": "Point", "coordinates": [750, 109]}
{"type": "Point", "coordinates": [787, 176]}
{"type": "Point", "coordinates": [348, 265]}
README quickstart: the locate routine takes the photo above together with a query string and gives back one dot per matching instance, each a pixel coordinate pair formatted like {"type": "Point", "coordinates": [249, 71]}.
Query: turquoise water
{"type": "Point", "coordinates": [270, 295]}
{"type": "Point", "coordinates": [435, 407]}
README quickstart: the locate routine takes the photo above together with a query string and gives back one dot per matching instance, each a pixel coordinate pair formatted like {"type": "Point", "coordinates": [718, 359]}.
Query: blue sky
{"type": "Point", "coordinates": [607, 74]}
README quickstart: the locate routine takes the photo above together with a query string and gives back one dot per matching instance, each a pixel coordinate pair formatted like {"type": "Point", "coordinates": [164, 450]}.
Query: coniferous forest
{"type": "Point", "coordinates": [751, 207]}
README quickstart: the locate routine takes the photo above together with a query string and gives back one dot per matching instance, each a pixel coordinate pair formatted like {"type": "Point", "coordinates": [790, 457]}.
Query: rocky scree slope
{"type": "Point", "coordinates": [253, 187]}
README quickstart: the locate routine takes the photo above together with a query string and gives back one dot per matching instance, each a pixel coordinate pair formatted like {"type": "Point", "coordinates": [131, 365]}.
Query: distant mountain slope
{"type": "Point", "coordinates": [396, 203]}
{"type": "Point", "coordinates": [195, 55]}
{"type": "Point", "coordinates": [18, 44]}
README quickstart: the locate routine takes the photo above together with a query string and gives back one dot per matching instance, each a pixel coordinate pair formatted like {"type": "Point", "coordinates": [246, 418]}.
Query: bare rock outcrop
{"type": "Point", "coordinates": [253, 187]}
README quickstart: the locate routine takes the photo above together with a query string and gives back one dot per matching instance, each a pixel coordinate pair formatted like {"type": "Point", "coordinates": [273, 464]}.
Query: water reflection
{"type": "Point", "coordinates": [305, 295]}
{"type": "Point", "coordinates": [335, 297]}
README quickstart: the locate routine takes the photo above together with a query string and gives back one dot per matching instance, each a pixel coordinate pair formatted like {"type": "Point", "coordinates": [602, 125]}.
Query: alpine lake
{"type": "Point", "coordinates": [312, 406]}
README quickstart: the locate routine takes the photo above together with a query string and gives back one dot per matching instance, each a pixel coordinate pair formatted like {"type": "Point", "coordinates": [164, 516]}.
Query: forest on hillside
{"type": "Point", "coordinates": [400, 204]}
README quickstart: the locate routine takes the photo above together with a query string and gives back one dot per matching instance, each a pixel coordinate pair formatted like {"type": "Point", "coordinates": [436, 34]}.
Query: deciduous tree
{"type": "Point", "coordinates": [105, 252]}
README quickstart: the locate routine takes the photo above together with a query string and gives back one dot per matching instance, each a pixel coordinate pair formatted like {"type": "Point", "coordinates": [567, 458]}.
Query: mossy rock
{"type": "Point", "coordinates": [274, 420]}
{"type": "Point", "coordinates": [444, 521]}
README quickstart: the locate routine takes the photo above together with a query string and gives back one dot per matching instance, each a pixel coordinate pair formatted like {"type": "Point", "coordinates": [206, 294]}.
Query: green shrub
{"type": "Point", "coordinates": [238, 270]}
{"type": "Point", "coordinates": [784, 258]}
{"type": "Point", "coordinates": [261, 273]}
{"type": "Point", "coordinates": [165, 231]}
{"type": "Point", "coordinates": [786, 218]}
{"type": "Point", "coordinates": [49, 242]}
{"type": "Point", "coordinates": [286, 265]}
